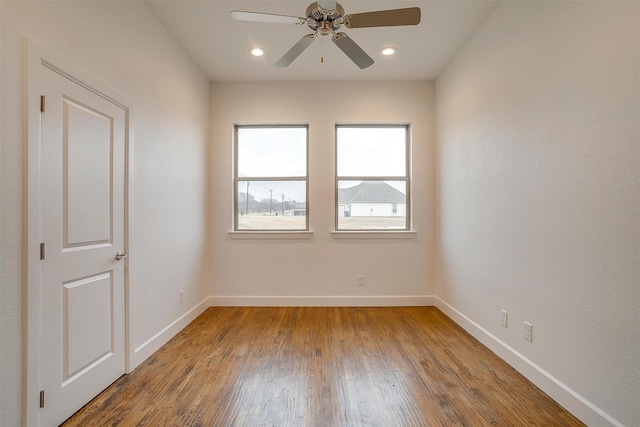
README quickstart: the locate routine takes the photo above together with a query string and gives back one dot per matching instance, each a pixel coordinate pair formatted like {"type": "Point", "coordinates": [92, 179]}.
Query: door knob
{"type": "Point", "coordinates": [120, 255]}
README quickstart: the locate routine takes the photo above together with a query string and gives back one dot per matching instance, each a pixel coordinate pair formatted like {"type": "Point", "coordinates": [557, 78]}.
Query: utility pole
{"type": "Point", "coordinates": [282, 204]}
{"type": "Point", "coordinates": [270, 199]}
{"type": "Point", "coordinates": [246, 207]}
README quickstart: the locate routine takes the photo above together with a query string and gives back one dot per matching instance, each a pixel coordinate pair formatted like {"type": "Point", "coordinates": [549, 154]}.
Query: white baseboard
{"type": "Point", "coordinates": [142, 352]}
{"type": "Point", "coordinates": [323, 301]}
{"type": "Point", "coordinates": [580, 407]}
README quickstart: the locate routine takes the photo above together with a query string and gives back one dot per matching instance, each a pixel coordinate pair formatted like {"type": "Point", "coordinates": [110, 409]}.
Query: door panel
{"type": "Point", "coordinates": [88, 323]}
{"type": "Point", "coordinates": [82, 342]}
{"type": "Point", "coordinates": [87, 145]}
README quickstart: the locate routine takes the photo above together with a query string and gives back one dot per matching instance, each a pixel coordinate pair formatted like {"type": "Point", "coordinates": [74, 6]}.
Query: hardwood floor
{"type": "Point", "coordinates": [385, 366]}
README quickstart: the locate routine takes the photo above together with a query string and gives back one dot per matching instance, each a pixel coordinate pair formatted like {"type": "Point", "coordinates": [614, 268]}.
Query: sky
{"type": "Point", "coordinates": [282, 152]}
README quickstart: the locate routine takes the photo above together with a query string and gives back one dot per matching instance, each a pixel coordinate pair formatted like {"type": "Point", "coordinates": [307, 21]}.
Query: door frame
{"type": "Point", "coordinates": [35, 57]}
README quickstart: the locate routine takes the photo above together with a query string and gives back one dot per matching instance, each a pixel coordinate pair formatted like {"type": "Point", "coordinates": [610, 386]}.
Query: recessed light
{"type": "Point", "coordinates": [388, 51]}
{"type": "Point", "coordinates": [256, 51]}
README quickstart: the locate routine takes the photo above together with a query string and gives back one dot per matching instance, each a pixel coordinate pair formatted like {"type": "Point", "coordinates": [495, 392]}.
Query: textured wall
{"type": "Point", "coordinates": [322, 266]}
{"type": "Point", "coordinates": [122, 45]}
{"type": "Point", "coordinates": [538, 130]}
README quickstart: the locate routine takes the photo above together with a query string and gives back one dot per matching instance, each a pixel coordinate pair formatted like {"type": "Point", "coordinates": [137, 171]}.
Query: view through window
{"type": "Point", "coordinates": [372, 177]}
{"type": "Point", "coordinates": [271, 178]}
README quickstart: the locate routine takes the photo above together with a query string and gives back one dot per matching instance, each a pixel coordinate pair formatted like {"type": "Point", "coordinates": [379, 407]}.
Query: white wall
{"type": "Point", "coordinates": [302, 271]}
{"type": "Point", "coordinates": [538, 131]}
{"type": "Point", "coordinates": [122, 45]}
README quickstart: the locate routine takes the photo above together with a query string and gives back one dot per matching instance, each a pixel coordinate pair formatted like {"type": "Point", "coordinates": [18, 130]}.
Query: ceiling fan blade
{"type": "Point", "coordinates": [296, 50]}
{"type": "Point", "coordinates": [384, 18]}
{"type": "Point", "coordinates": [327, 4]}
{"type": "Point", "coordinates": [352, 50]}
{"type": "Point", "coordinates": [240, 15]}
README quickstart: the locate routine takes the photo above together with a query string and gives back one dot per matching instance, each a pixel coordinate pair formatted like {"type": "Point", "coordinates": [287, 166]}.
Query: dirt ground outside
{"type": "Point", "coordinates": [290, 222]}
{"type": "Point", "coordinates": [271, 222]}
{"type": "Point", "coordinates": [372, 222]}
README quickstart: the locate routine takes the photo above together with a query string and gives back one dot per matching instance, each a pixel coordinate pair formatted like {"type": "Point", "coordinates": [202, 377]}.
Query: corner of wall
{"type": "Point", "coordinates": [153, 344]}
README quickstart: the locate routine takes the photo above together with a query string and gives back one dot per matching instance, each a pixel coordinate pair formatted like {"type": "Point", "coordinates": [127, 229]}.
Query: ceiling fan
{"type": "Point", "coordinates": [326, 17]}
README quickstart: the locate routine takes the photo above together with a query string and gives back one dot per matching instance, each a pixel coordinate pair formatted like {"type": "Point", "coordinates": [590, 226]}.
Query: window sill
{"type": "Point", "coordinates": [404, 234]}
{"type": "Point", "coordinates": [270, 235]}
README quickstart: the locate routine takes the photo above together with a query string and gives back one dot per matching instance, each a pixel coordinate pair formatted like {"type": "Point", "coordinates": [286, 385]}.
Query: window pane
{"type": "Point", "coordinates": [272, 205]}
{"type": "Point", "coordinates": [372, 205]}
{"type": "Point", "coordinates": [372, 151]}
{"type": "Point", "coordinates": [275, 151]}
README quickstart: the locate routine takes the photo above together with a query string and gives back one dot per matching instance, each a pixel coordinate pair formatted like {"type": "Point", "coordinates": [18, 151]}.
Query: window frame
{"type": "Point", "coordinates": [406, 178]}
{"type": "Point", "coordinates": [237, 179]}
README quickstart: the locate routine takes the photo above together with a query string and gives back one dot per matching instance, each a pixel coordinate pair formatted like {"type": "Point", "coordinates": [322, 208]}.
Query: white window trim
{"type": "Point", "coordinates": [407, 232]}
{"type": "Point", "coordinates": [374, 234]}
{"type": "Point", "coordinates": [267, 232]}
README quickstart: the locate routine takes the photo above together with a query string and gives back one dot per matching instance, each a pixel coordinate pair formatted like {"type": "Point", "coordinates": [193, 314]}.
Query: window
{"type": "Point", "coordinates": [271, 180]}
{"type": "Point", "coordinates": [372, 177]}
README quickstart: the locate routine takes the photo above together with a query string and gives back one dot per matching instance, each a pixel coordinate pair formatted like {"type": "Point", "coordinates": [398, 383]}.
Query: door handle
{"type": "Point", "coordinates": [121, 255]}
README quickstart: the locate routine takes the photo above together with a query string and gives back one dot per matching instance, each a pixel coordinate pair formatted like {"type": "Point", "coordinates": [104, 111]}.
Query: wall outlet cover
{"type": "Point", "coordinates": [528, 331]}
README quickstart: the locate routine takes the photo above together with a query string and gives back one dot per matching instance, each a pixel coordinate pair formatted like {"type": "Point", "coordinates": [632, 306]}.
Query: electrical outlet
{"type": "Point", "coordinates": [528, 331]}
{"type": "Point", "coordinates": [361, 280]}
{"type": "Point", "coordinates": [181, 297]}
{"type": "Point", "coordinates": [503, 318]}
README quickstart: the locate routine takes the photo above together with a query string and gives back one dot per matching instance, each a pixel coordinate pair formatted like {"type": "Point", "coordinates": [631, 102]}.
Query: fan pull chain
{"type": "Point", "coordinates": [322, 50]}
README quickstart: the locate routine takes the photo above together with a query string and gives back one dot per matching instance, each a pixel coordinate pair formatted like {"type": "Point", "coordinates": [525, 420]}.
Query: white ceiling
{"type": "Point", "coordinates": [219, 45]}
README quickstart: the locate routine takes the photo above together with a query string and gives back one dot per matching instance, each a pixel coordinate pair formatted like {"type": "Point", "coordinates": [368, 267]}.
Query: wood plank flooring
{"type": "Point", "coordinates": [268, 366]}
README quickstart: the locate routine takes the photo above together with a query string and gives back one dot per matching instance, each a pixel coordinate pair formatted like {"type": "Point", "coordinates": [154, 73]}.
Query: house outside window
{"type": "Point", "coordinates": [372, 180]}
{"type": "Point", "coordinates": [271, 177]}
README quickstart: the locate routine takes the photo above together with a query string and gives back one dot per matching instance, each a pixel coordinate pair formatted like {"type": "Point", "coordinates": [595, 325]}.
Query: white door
{"type": "Point", "coordinates": [82, 330]}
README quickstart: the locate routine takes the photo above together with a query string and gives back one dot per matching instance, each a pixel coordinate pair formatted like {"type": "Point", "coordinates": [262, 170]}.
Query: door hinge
{"type": "Point", "coordinates": [42, 250]}
{"type": "Point", "coordinates": [42, 103]}
{"type": "Point", "coordinates": [42, 398]}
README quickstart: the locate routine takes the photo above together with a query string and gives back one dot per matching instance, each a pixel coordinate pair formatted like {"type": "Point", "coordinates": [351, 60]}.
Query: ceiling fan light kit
{"type": "Point", "coordinates": [325, 17]}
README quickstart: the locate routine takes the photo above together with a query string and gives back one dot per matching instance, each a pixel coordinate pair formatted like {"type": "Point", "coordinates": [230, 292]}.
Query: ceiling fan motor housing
{"type": "Point", "coordinates": [324, 21]}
